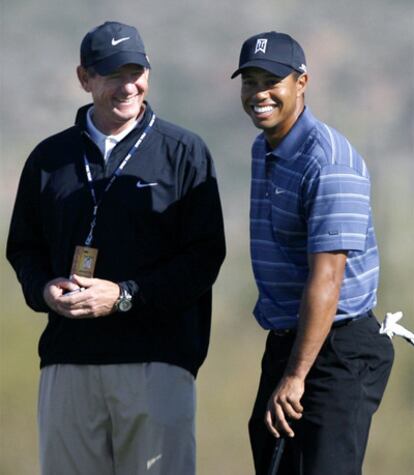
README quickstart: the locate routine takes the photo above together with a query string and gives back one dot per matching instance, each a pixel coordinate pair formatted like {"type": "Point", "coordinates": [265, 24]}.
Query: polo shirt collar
{"type": "Point", "coordinates": [106, 143]}
{"type": "Point", "coordinates": [295, 138]}
{"type": "Point", "coordinates": [98, 136]}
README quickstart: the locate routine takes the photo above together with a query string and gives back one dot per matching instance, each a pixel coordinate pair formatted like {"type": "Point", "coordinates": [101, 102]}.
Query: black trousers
{"type": "Point", "coordinates": [342, 391]}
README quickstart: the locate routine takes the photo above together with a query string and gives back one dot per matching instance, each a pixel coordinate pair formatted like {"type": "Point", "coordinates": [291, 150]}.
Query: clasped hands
{"type": "Point", "coordinates": [97, 298]}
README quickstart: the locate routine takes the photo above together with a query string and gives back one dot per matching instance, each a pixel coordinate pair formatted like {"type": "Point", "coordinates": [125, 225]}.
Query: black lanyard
{"type": "Point", "coordinates": [114, 176]}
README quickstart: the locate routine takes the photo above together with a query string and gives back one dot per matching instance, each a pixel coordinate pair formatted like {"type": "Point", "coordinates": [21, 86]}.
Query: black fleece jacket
{"type": "Point", "coordinates": [164, 243]}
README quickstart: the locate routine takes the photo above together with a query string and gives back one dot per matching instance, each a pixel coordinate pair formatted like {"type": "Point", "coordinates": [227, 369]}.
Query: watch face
{"type": "Point", "coordinates": [124, 305]}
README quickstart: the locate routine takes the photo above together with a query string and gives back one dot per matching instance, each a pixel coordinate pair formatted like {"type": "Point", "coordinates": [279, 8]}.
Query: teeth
{"type": "Point", "coordinates": [262, 109]}
{"type": "Point", "coordinates": [126, 101]}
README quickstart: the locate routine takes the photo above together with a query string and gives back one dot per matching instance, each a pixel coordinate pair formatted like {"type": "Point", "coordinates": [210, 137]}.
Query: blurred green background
{"type": "Point", "coordinates": [360, 56]}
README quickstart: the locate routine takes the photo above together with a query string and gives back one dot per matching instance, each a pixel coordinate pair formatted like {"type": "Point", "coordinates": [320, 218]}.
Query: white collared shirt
{"type": "Point", "coordinates": [106, 143]}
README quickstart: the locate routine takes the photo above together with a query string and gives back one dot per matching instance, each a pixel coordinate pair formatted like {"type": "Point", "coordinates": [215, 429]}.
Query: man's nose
{"type": "Point", "coordinates": [261, 93]}
{"type": "Point", "coordinates": [128, 83]}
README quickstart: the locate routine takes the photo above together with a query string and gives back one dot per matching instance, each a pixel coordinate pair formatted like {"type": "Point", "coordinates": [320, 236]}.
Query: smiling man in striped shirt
{"type": "Point", "coordinates": [316, 265]}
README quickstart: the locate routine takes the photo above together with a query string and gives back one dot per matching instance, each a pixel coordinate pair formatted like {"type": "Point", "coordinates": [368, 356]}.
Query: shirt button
{"type": "Point", "coordinates": [267, 194]}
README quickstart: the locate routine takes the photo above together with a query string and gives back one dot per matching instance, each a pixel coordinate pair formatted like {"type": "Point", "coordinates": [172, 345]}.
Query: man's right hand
{"type": "Point", "coordinates": [54, 290]}
{"type": "Point", "coordinates": [284, 405]}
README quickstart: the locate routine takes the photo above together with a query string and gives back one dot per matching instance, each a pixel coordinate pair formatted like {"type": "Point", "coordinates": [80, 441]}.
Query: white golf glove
{"type": "Point", "coordinates": [391, 328]}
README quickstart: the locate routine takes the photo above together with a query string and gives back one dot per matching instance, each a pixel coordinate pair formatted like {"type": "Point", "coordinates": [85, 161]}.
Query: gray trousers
{"type": "Point", "coordinates": [126, 419]}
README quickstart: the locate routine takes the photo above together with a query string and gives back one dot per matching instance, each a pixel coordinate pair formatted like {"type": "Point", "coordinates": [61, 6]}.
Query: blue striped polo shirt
{"type": "Point", "coordinates": [310, 194]}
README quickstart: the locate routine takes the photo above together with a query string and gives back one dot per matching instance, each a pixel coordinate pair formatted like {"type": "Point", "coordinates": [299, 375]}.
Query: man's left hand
{"type": "Point", "coordinates": [284, 405]}
{"type": "Point", "coordinates": [96, 300]}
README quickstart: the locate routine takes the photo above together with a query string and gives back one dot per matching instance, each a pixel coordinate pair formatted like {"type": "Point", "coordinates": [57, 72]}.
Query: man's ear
{"type": "Point", "coordinates": [83, 77]}
{"type": "Point", "coordinates": [301, 84]}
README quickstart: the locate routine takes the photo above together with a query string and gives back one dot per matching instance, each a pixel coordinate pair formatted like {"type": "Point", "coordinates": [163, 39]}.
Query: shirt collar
{"type": "Point", "coordinates": [106, 143]}
{"type": "Point", "coordinates": [296, 136]}
{"type": "Point", "coordinates": [98, 136]}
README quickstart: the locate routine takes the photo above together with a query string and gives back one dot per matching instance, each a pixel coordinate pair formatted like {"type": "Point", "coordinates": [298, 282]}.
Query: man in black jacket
{"type": "Point", "coordinates": [117, 233]}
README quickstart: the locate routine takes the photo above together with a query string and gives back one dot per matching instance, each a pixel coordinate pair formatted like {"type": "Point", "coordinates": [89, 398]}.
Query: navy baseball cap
{"type": "Point", "coordinates": [112, 45]}
{"type": "Point", "coordinates": [275, 52]}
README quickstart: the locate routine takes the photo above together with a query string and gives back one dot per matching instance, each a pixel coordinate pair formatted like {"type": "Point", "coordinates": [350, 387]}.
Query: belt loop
{"type": "Point", "coordinates": [351, 320]}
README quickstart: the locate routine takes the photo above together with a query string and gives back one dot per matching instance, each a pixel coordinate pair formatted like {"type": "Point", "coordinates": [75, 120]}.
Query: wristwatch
{"type": "Point", "coordinates": [124, 302]}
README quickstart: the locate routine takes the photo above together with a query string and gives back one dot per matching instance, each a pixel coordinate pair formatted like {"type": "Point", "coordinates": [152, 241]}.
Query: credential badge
{"type": "Point", "coordinates": [261, 45]}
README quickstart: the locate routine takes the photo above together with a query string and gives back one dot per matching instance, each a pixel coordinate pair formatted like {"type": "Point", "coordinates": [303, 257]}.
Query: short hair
{"type": "Point", "coordinates": [91, 71]}
{"type": "Point", "coordinates": [296, 75]}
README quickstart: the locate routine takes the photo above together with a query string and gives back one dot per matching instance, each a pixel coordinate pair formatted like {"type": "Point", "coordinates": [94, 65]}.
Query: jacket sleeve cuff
{"type": "Point", "coordinates": [132, 287]}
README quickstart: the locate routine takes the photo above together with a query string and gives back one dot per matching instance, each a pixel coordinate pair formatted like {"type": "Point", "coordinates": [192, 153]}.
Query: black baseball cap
{"type": "Point", "coordinates": [275, 52]}
{"type": "Point", "coordinates": [112, 45]}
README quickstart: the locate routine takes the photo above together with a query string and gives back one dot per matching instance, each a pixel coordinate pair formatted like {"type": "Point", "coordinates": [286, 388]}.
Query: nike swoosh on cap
{"type": "Point", "coordinates": [115, 42]}
{"type": "Point", "coordinates": [151, 462]}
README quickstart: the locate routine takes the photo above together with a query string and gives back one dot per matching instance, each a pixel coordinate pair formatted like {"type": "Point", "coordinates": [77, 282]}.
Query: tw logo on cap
{"type": "Point", "coordinates": [261, 45]}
